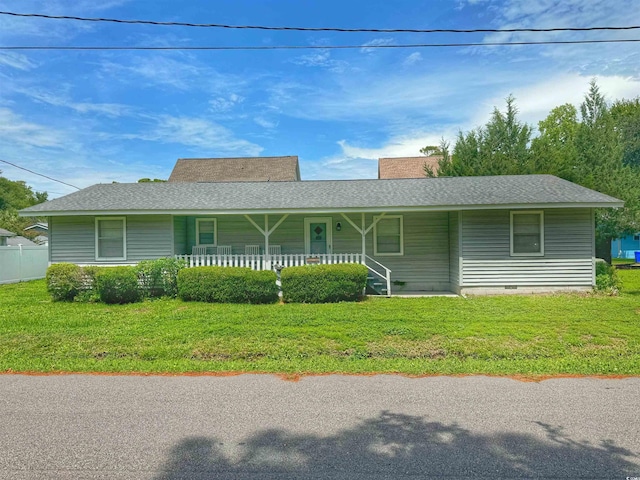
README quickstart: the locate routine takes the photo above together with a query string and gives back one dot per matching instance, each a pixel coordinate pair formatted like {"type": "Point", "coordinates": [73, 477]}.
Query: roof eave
{"type": "Point", "coordinates": [399, 208]}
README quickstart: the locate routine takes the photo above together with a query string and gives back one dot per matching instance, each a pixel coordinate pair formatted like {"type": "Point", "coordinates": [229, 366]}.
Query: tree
{"type": "Point", "coordinates": [554, 150]}
{"type": "Point", "coordinates": [626, 120]}
{"type": "Point", "coordinates": [16, 195]}
{"type": "Point", "coordinates": [148, 180]}
{"type": "Point", "coordinates": [431, 150]}
{"type": "Point", "coordinates": [501, 147]}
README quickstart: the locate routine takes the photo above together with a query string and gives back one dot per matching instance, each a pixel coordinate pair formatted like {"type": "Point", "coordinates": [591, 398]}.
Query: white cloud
{"type": "Point", "coordinates": [415, 57]}
{"type": "Point", "coordinates": [16, 60]}
{"type": "Point", "coordinates": [321, 59]}
{"type": "Point", "coordinates": [15, 130]}
{"type": "Point", "coordinates": [197, 132]}
{"type": "Point", "coordinates": [223, 104]}
{"type": "Point", "coordinates": [376, 42]}
{"type": "Point", "coordinates": [265, 123]}
{"type": "Point", "coordinates": [62, 100]}
{"type": "Point", "coordinates": [338, 168]}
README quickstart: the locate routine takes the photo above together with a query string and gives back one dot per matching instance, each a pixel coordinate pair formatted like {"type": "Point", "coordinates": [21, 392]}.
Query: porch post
{"type": "Point", "coordinates": [364, 241]}
{"type": "Point", "coordinates": [267, 257]}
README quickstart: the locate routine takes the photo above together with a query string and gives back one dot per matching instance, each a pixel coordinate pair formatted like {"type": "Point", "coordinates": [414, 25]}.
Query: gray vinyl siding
{"type": "Point", "coordinates": [568, 247]}
{"type": "Point", "coordinates": [149, 236]}
{"type": "Point", "coordinates": [454, 251]}
{"type": "Point", "coordinates": [72, 239]}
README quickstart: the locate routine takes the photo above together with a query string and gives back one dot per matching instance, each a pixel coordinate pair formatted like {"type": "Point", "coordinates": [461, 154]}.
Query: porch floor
{"type": "Point", "coordinates": [423, 294]}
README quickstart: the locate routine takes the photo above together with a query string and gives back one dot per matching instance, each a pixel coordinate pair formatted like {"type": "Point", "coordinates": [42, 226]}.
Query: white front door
{"type": "Point", "coordinates": [317, 235]}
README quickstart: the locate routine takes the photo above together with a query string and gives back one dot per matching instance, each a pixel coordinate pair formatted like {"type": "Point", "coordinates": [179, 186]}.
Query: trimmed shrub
{"type": "Point", "coordinates": [159, 278]}
{"type": "Point", "coordinates": [607, 280]}
{"type": "Point", "coordinates": [117, 285]}
{"type": "Point", "coordinates": [227, 285]}
{"type": "Point", "coordinates": [323, 283]}
{"type": "Point", "coordinates": [64, 281]}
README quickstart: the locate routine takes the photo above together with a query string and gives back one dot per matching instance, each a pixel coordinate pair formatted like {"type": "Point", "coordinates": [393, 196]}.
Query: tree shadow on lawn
{"type": "Point", "coordinates": [394, 446]}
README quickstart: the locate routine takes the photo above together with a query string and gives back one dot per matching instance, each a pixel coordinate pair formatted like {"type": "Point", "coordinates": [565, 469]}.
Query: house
{"type": "Point", "coordinates": [491, 234]}
{"type": "Point", "coordinates": [625, 247]}
{"type": "Point", "coordinates": [41, 228]}
{"type": "Point", "coordinates": [10, 239]}
{"type": "Point", "coordinates": [407, 167]}
{"type": "Point", "coordinates": [4, 236]}
{"type": "Point", "coordinates": [245, 169]}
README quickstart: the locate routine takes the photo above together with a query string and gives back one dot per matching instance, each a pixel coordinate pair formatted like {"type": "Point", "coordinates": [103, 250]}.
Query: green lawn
{"type": "Point", "coordinates": [529, 335]}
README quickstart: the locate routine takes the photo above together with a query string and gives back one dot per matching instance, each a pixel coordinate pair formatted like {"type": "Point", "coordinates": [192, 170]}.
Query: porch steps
{"type": "Point", "coordinates": [375, 286]}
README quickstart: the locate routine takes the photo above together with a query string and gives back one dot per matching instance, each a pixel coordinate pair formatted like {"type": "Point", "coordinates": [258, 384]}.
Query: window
{"type": "Point", "coordinates": [527, 233]}
{"type": "Point", "coordinates": [387, 235]}
{"type": "Point", "coordinates": [111, 243]}
{"type": "Point", "coordinates": [636, 237]}
{"type": "Point", "coordinates": [206, 230]}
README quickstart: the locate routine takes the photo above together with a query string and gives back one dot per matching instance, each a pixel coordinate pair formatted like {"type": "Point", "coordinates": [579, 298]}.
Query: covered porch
{"type": "Point", "coordinates": [273, 242]}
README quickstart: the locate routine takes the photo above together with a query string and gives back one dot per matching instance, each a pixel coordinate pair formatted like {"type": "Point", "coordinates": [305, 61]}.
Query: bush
{"type": "Point", "coordinates": [117, 285]}
{"type": "Point", "coordinates": [227, 285]}
{"type": "Point", "coordinates": [607, 280]}
{"type": "Point", "coordinates": [159, 278]}
{"type": "Point", "coordinates": [64, 281]}
{"type": "Point", "coordinates": [323, 283]}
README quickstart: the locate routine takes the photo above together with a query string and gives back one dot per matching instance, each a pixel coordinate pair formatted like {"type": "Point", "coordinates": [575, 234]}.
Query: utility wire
{"type": "Point", "coordinates": [39, 174]}
{"type": "Point", "coordinates": [316, 47]}
{"type": "Point", "coordinates": [318, 29]}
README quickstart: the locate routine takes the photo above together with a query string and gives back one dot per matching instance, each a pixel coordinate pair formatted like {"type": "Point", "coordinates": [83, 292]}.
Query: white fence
{"type": "Point", "coordinates": [22, 263]}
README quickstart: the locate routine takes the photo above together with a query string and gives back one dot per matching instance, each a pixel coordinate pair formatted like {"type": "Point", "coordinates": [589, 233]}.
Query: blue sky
{"type": "Point", "coordinates": [101, 116]}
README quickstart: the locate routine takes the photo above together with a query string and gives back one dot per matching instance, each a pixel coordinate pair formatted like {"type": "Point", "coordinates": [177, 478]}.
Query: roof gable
{"type": "Point", "coordinates": [241, 169]}
{"type": "Point", "coordinates": [406, 167]}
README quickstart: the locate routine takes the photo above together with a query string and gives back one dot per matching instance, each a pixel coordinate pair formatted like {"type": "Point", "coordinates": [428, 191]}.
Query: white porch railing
{"type": "Point", "coordinates": [270, 262]}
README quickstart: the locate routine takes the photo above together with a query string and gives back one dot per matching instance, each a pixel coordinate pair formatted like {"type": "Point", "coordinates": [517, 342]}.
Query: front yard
{"type": "Point", "coordinates": [521, 335]}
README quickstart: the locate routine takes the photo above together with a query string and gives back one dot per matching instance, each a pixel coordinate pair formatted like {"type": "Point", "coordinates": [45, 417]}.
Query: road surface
{"type": "Point", "coordinates": [259, 426]}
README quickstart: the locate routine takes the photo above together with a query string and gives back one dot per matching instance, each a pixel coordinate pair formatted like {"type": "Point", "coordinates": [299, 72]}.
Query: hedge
{"type": "Point", "coordinates": [64, 281]}
{"type": "Point", "coordinates": [159, 278]}
{"type": "Point", "coordinates": [227, 285]}
{"type": "Point", "coordinates": [117, 285]}
{"type": "Point", "coordinates": [323, 283]}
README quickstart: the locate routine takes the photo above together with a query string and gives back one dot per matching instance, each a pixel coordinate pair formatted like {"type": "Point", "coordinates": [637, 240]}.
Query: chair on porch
{"type": "Point", "coordinates": [199, 250]}
{"type": "Point", "coordinates": [224, 250]}
{"type": "Point", "coordinates": [252, 250]}
{"type": "Point", "coordinates": [275, 250]}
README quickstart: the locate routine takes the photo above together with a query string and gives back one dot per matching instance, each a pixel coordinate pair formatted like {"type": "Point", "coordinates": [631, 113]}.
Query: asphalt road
{"type": "Point", "coordinates": [259, 426]}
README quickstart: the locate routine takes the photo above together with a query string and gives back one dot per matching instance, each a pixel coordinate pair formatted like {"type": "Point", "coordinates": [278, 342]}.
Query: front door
{"type": "Point", "coordinates": [317, 235]}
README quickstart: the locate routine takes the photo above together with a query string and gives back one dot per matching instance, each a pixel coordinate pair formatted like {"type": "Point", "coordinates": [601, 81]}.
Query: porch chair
{"type": "Point", "coordinates": [275, 250]}
{"type": "Point", "coordinates": [199, 250]}
{"type": "Point", "coordinates": [223, 250]}
{"type": "Point", "coordinates": [252, 250]}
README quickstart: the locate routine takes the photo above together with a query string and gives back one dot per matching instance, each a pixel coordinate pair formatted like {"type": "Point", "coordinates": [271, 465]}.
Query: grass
{"type": "Point", "coordinates": [526, 335]}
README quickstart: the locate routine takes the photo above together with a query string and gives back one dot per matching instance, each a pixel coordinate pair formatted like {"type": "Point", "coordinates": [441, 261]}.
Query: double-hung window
{"type": "Point", "coordinates": [388, 236]}
{"type": "Point", "coordinates": [111, 238]}
{"type": "Point", "coordinates": [206, 230]}
{"type": "Point", "coordinates": [527, 233]}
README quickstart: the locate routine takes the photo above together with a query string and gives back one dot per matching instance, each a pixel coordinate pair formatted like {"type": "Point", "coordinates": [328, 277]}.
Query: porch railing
{"type": "Point", "coordinates": [270, 262]}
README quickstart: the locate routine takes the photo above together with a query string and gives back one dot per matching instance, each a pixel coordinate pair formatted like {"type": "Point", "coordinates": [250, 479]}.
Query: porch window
{"type": "Point", "coordinates": [206, 231]}
{"type": "Point", "coordinates": [388, 235]}
{"type": "Point", "coordinates": [527, 233]}
{"type": "Point", "coordinates": [111, 238]}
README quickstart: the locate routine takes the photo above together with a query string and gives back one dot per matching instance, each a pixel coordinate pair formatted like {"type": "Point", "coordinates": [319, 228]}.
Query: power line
{"type": "Point", "coordinates": [316, 47]}
{"type": "Point", "coordinates": [318, 29]}
{"type": "Point", "coordinates": [39, 174]}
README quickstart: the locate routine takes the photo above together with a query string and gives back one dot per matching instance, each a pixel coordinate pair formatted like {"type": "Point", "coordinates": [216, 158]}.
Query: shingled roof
{"type": "Point", "coordinates": [442, 193]}
{"type": "Point", "coordinates": [406, 167]}
{"type": "Point", "coordinates": [243, 169]}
